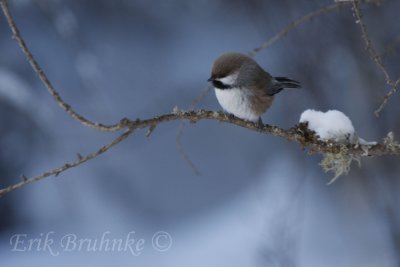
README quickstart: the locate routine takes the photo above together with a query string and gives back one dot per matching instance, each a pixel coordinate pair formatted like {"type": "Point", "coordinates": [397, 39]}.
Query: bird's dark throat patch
{"type": "Point", "coordinates": [221, 85]}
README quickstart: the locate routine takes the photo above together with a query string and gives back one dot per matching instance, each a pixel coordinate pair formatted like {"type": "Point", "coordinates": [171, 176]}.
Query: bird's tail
{"type": "Point", "coordinates": [287, 83]}
{"type": "Point", "coordinates": [279, 83]}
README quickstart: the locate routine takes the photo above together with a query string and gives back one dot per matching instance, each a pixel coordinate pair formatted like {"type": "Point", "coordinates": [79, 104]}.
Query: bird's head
{"type": "Point", "coordinates": [226, 69]}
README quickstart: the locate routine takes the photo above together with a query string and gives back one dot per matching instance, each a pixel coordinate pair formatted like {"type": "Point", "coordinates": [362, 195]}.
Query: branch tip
{"type": "Point", "coordinates": [150, 130]}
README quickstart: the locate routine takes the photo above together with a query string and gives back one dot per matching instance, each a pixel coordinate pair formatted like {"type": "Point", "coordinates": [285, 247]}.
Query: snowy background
{"type": "Point", "coordinates": [260, 200]}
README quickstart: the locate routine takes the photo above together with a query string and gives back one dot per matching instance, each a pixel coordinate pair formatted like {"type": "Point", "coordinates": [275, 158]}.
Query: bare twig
{"type": "Point", "coordinates": [370, 48]}
{"type": "Point", "coordinates": [56, 171]}
{"type": "Point", "coordinates": [374, 56]}
{"type": "Point", "coordinates": [46, 82]}
{"type": "Point", "coordinates": [292, 25]}
{"type": "Point", "coordinates": [308, 17]}
{"type": "Point", "coordinates": [150, 130]}
{"type": "Point", "coordinates": [299, 134]}
{"type": "Point", "coordinates": [387, 96]}
{"type": "Point", "coordinates": [182, 150]}
{"type": "Point", "coordinates": [179, 135]}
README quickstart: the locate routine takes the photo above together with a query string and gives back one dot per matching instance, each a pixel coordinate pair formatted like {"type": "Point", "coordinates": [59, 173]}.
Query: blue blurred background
{"type": "Point", "coordinates": [259, 201]}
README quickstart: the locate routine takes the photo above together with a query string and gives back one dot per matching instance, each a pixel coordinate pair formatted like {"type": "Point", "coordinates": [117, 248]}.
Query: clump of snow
{"type": "Point", "coordinates": [335, 125]}
{"type": "Point", "coordinates": [332, 125]}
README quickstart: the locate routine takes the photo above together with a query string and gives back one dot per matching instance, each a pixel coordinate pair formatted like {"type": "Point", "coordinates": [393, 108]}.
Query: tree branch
{"type": "Point", "coordinates": [179, 134]}
{"type": "Point", "coordinates": [56, 171]}
{"type": "Point", "coordinates": [299, 134]}
{"type": "Point", "coordinates": [46, 82]}
{"type": "Point", "coordinates": [292, 25]}
{"type": "Point", "coordinates": [374, 56]}
{"type": "Point", "coordinates": [387, 96]}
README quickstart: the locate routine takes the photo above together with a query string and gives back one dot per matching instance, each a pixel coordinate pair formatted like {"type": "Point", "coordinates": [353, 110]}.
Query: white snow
{"type": "Point", "coordinates": [332, 125]}
{"type": "Point", "coordinates": [364, 142]}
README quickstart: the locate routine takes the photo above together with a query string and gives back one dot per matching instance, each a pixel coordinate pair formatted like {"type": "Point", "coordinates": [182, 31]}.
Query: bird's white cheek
{"type": "Point", "coordinates": [228, 80]}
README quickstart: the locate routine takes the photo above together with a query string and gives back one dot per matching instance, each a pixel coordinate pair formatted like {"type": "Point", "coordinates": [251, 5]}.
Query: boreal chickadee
{"type": "Point", "coordinates": [243, 88]}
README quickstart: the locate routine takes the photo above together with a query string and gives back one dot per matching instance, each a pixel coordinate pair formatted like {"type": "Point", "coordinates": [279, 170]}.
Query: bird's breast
{"type": "Point", "coordinates": [238, 102]}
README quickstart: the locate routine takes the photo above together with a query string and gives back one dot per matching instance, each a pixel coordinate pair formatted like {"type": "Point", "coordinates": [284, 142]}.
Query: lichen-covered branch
{"type": "Point", "coordinates": [299, 134]}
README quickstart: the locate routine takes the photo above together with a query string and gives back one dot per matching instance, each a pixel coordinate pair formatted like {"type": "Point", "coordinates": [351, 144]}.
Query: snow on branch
{"type": "Point", "coordinates": [299, 134]}
{"type": "Point", "coordinates": [336, 126]}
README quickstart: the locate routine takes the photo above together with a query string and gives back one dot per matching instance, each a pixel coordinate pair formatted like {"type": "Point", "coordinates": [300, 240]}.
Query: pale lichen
{"type": "Point", "coordinates": [390, 143]}
{"type": "Point", "coordinates": [177, 111]}
{"type": "Point", "coordinates": [338, 163]}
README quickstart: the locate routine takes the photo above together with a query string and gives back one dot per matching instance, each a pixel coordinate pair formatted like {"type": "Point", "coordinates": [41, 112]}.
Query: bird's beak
{"type": "Point", "coordinates": [210, 79]}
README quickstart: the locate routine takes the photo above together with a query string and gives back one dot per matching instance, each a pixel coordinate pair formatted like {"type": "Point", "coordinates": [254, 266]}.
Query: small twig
{"type": "Point", "coordinates": [370, 48]}
{"type": "Point", "coordinates": [308, 17]}
{"type": "Point", "coordinates": [200, 97]}
{"type": "Point", "coordinates": [150, 130]}
{"type": "Point", "coordinates": [374, 56]}
{"type": "Point", "coordinates": [46, 82]}
{"type": "Point", "coordinates": [299, 134]}
{"type": "Point", "coordinates": [292, 25]}
{"type": "Point", "coordinates": [182, 125]}
{"type": "Point", "coordinates": [386, 98]}
{"type": "Point", "coordinates": [183, 152]}
{"type": "Point", "coordinates": [67, 166]}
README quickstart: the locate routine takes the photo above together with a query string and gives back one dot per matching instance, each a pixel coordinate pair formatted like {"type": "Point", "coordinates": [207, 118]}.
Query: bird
{"type": "Point", "coordinates": [245, 89]}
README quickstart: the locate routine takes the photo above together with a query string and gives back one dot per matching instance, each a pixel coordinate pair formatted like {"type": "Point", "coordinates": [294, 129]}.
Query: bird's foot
{"type": "Point", "coordinates": [230, 116]}
{"type": "Point", "coordinates": [260, 124]}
